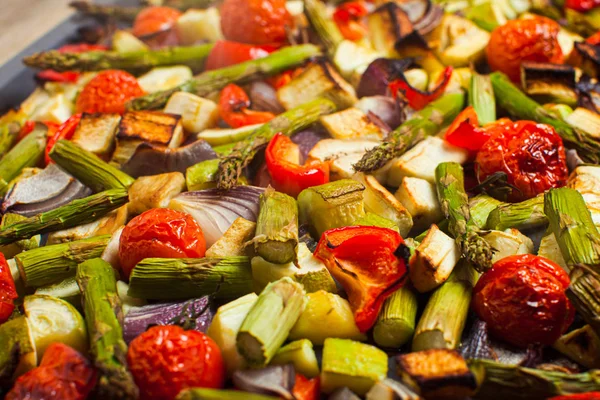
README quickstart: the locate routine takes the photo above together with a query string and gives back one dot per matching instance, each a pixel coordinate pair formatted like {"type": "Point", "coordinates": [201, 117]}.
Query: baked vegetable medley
{"type": "Point", "coordinates": [306, 199]}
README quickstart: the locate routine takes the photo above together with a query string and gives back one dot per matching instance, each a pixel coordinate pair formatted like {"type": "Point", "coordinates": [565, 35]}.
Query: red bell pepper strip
{"type": "Point", "coordinates": [582, 5]}
{"type": "Point", "coordinates": [348, 19]}
{"type": "Point", "coordinates": [369, 262]}
{"type": "Point", "coordinates": [287, 176]}
{"type": "Point", "coordinates": [594, 39]}
{"type": "Point", "coordinates": [26, 129]}
{"type": "Point", "coordinates": [226, 53]}
{"type": "Point", "coordinates": [69, 76]}
{"type": "Point", "coordinates": [578, 396]}
{"type": "Point", "coordinates": [306, 389]}
{"type": "Point", "coordinates": [65, 131]}
{"type": "Point", "coordinates": [465, 132]}
{"type": "Point", "coordinates": [8, 291]}
{"type": "Point", "coordinates": [278, 81]}
{"type": "Point", "coordinates": [416, 98]}
{"type": "Point", "coordinates": [233, 108]}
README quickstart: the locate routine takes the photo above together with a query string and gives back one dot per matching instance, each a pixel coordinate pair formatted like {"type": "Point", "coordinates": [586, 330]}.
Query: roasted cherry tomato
{"type": "Point", "coordinates": [578, 396]}
{"type": "Point", "coordinates": [465, 132]}
{"type": "Point", "coordinates": [534, 39]}
{"type": "Point", "coordinates": [306, 389]}
{"type": "Point", "coordinates": [416, 98]}
{"type": "Point", "coordinates": [582, 5]}
{"type": "Point", "coordinates": [161, 233]}
{"type": "Point", "coordinates": [282, 157]}
{"type": "Point", "coordinates": [8, 291]}
{"type": "Point", "coordinates": [348, 19]}
{"type": "Point", "coordinates": [532, 155]}
{"type": "Point", "coordinates": [255, 21]}
{"type": "Point", "coordinates": [152, 20]}
{"type": "Point", "coordinates": [233, 108]}
{"type": "Point", "coordinates": [226, 53]}
{"type": "Point", "coordinates": [167, 359]}
{"type": "Point", "coordinates": [69, 76]}
{"type": "Point", "coordinates": [369, 262]}
{"type": "Point", "coordinates": [63, 374]}
{"type": "Point", "coordinates": [64, 131]}
{"type": "Point", "coordinates": [522, 299]}
{"type": "Point", "coordinates": [108, 92]}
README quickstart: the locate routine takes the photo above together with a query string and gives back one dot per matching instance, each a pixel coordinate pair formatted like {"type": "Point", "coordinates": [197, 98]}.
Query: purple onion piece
{"type": "Point", "coordinates": [377, 76]}
{"type": "Point", "coordinates": [307, 139]}
{"type": "Point", "coordinates": [275, 381]}
{"type": "Point", "coordinates": [264, 97]}
{"type": "Point", "coordinates": [386, 108]}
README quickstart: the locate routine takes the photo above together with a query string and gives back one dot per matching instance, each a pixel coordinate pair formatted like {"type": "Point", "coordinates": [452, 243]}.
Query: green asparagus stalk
{"type": "Point", "coordinates": [502, 381]}
{"type": "Point", "coordinates": [327, 30]}
{"type": "Point", "coordinates": [579, 242]}
{"type": "Point", "coordinates": [27, 153]}
{"type": "Point", "coordinates": [276, 238]}
{"type": "Point", "coordinates": [455, 206]}
{"type": "Point", "coordinates": [396, 322]}
{"type": "Point", "coordinates": [13, 249]}
{"type": "Point", "coordinates": [427, 122]}
{"type": "Point", "coordinates": [211, 81]}
{"type": "Point", "coordinates": [214, 394]}
{"type": "Point", "coordinates": [134, 61]}
{"type": "Point", "coordinates": [77, 212]}
{"type": "Point", "coordinates": [230, 167]}
{"type": "Point", "coordinates": [524, 215]}
{"type": "Point", "coordinates": [521, 106]}
{"type": "Point", "coordinates": [269, 321]}
{"type": "Point", "coordinates": [88, 168]}
{"type": "Point", "coordinates": [225, 278]}
{"type": "Point", "coordinates": [481, 97]}
{"type": "Point", "coordinates": [125, 14]}
{"type": "Point", "coordinates": [445, 314]}
{"type": "Point", "coordinates": [102, 307]}
{"type": "Point", "coordinates": [50, 264]}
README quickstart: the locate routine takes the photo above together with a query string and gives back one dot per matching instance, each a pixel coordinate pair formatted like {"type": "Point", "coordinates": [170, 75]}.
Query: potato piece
{"type": "Point", "coordinates": [421, 201]}
{"type": "Point", "coordinates": [234, 240]}
{"type": "Point", "coordinates": [155, 191]}
{"type": "Point", "coordinates": [195, 26]}
{"type": "Point", "coordinates": [197, 114]}
{"type": "Point", "coordinates": [151, 126]}
{"type": "Point", "coordinates": [351, 123]}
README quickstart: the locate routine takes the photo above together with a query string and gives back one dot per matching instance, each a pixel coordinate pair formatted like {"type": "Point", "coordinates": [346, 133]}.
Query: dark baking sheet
{"type": "Point", "coordinates": [17, 81]}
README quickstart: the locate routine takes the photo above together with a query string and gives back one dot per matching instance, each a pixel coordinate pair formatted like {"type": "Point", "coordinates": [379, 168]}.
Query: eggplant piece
{"type": "Point", "coordinates": [378, 75]}
{"type": "Point", "coordinates": [276, 380]}
{"type": "Point", "coordinates": [587, 57]}
{"type": "Point", "coordinates": [96, 133]}
{"type": "Point", "coordinates": [195, 314]}
{"type": "Point", "coordinates": [44, 191]}
{"type": "Point", "coordinates": [588, 90]}
{"type": "Point", "coordinates": [152, 127]}
{"type": "Point", "coordinates": [554, 83]}
{"type": "Point", "coordinates": [390, 27]}
{"type": "Point", "coordinates": [150, 159]}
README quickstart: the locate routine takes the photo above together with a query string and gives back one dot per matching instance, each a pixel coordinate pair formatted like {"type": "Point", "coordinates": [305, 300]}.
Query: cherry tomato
{"type": "Point", "coordinates": [523, 40]}
{"type": "Point", "coordinates": [155, 19]}
{"type": "Point", "coordinates": [167, 359]}
{"type": "Point", "coordinates": [63, 374]}
{"type": "Point", "coordinates": [161, 233]}
{"type": "Point", "coordinates": [108, 92]}
{"type": "Point", "coordinates": [578, 396]}
{"type": "Point", "coordinates": [348, 19]}
{"type": "Point", "coordinates": [306, 389]}
{"type": "Point", "coordinates": [64, 131]}
{"type": "Point", "coordinates": [532, 155]}
{"type": "Point", "coordinates": [522, 299]}
{"type": "Point", "coordinates": [465, 132]}
{"type": "Point", "coordinates": [8, 291]}
{"type": "Point", "coordinates": [233, 108]}
{"type": "Point", "coordinates": [226, 53]}
{"type": "Point", "coordinates": [582, 5]}
{"type": "Point", "coordinates": [255, 21]}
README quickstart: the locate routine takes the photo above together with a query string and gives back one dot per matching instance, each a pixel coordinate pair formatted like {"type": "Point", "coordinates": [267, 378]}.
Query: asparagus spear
{"type": "Point", "coordinates": [226, 278]}
{"type": "Point", "coordinates": [524, 215]}
{"type": "Point", "coordinates": [125, 14]}
{"type": "Point", "coordinates": [326, 29]}
{"type": "Point", "coordinates": [77, 212]}
{"type": "Point", "coordinates": [27, 153]}
{"type": "Point", "coordinates": [579, 242]}
{"type": "Point", "coordinates": [502, 381]}
{"type": "Point", "coordinates": [427, 122]}
{"type": "Point", "coordinates": [88, 168]}
{"type": "Point", "coordinates": [481, 97]}
{"type": "Point", "coordinates": [396, 322]}
{"type": "Point", "coordinates": [134, 61]}
{"type": "Point", "coordinates": [21, 245]}
{"type": "Point", "coordinates": [102, 307]}
{"type": "Point", "coordinates": [50, 264]}
{"type": "Point", "coordinates": [276, 238]}
{"type": "Point", "coordinates": [211, 81]}
{"type": "Point", "coordinates": [521, 106]}
{"type": "Point", "coordinates": [230, 167]}
{"type": "Point", "coordinates": [444, 317]}
{"type": "Point", "coordinates": [455, 206]}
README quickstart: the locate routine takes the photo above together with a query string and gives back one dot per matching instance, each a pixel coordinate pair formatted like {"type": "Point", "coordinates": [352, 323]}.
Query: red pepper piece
{"type": "Point", "coordinates": [81, 48]}
{"type": "Point", "coordinates": [465, 131]}
{"type": "Point", "coordinates": [347, 17]}
{"type": "Point", "coordinates": [306, 389]}
{"type": "Point", "coordinates": [282, 159]}
{"type": "Point", "coordinates": [8, 291]}
{"type": "Point", "coordinates": [369, 262]}
{"type": "Point", "coordinates": [226, 53]}
{"type": "Point", "coordinates": [284, 78]}
{"type": "Point", "coordinates": [416, 98]}
{"type": "Point", "coordinates": [233, 108]}
{"type": "Point", "coordinates": [65, 131]}
{"type": "Point", "coordinates": [582, 5]}
{"type": "Point", "coordinates": [594, 39]}
{"type": "Point", "coordinates": [26, 129]}
{"type": "Point", "coordinates": [578, 396]}
{"type": "Point", "coordinates": [69, 76]}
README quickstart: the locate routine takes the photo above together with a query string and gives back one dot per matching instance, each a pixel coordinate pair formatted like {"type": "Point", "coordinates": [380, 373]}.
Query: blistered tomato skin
{"type": "Point", "coordinates": [167, 359]}
{"type": "Point", "coordinates": [161, 233]}
{"type": "Point", "coordinates": [532, 155]}
{"type": "Point", "coordinates": [255, 21]}
{"type": "Point", "coordinates": [523, 40]}
{"type": "Point", "coordinates": [155, 19]}
{"type": "Point", "coordinates": [522, 299]}
{"type": "Point", "coordinates": [108, 92]}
